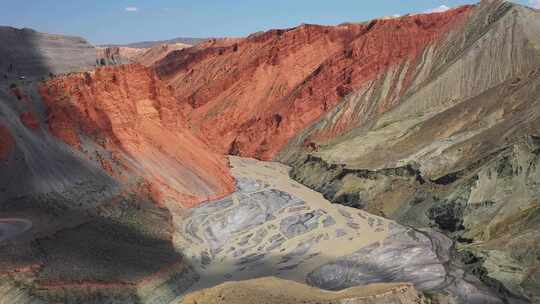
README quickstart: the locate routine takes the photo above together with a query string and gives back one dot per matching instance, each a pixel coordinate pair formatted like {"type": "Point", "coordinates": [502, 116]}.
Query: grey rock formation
{"type": "Point", "coordinates": [42, 164]}
{"type": "Point", "coordinates": [92, 239]}
{"type": "Point", "coordinates": [28, 53]}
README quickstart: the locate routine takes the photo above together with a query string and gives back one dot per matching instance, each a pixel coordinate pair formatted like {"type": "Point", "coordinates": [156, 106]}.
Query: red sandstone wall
{"type": "Point", "coordinates": [252, 96]}
{"type": "Point", "coordinates": [128, 111]}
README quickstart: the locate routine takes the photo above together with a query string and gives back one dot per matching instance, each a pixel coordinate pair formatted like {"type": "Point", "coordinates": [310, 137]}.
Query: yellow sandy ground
{"type": "Point", "coordinates": [276, 291]}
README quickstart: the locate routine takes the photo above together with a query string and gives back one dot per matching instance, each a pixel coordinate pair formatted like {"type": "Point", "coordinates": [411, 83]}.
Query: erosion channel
{"type": "Point", "coordinates": [274, 226]}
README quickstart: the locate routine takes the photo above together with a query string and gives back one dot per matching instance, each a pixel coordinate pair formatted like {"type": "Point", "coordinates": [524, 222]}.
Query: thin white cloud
{"type": "Point", "coordinates": [131, 9]}
{"type": "Point", "coordinates": [444, 8]}
{"type": "Point", "coordinates": [535, 3]}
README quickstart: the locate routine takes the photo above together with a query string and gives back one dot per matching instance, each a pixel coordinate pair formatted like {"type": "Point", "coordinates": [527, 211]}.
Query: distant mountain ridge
{"type": "Point", "coordinates": [149, 44]}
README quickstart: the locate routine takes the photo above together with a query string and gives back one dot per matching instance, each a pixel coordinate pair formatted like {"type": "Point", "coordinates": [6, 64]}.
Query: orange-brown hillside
{"type": "Point", "coordinates": [250, 97]}
{"type": "Point", "coordinates": [128, 111]}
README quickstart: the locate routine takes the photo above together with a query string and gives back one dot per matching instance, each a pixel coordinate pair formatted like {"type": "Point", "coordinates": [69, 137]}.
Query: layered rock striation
{"type": "Point", "coordinates": [132, 116]}
{"type": "Point", "coordinates": [251, 97]}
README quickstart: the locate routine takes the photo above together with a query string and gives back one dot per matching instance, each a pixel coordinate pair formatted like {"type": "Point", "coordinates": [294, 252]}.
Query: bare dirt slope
{"type": "Point", "coordinates": [132, 117]}
{"type": "Point", "coordinates": [158, 52]}
{"type": "Point", "coordinates": [146, 56]}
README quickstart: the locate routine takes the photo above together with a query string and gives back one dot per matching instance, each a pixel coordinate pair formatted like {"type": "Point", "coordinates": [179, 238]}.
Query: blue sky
{"type": "Point", "coordinates": [122, 21]}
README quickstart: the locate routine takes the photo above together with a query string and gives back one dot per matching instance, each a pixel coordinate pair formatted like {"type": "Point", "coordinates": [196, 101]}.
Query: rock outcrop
{"type": "Point", "coordinates": [150, 44]}
{"type": "Point", "coordinates": [134, 120]}
{"type": "Point", "coordinates": [158, 52]}
{"type": "Point", "coordinates": [117, 55]}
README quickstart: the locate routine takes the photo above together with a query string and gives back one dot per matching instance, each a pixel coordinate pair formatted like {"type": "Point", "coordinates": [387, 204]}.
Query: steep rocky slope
{"type": "Point", "coordinates": [251, 97]}
{"type": "Point", "coordinates": [25, 52]}
{"type": "Point", "coordinates": [158, 52]}
{"type": "Point", "coordinates": [129, 122]}
{"type": "Point", "coordinates": [457, 151]}
{"type": "Point", "coordinates": [427, 122]}
{"type": "Point", "coordinates": [117, 55]}
{"type": "Point", "coordinates": [85, 173]}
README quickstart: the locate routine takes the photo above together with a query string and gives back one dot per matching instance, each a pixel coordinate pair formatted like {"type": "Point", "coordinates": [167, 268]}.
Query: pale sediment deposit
{"type": "Point", "coordinates": [274, 226]}
{"type": "Point", "coordinates": [276, 291]}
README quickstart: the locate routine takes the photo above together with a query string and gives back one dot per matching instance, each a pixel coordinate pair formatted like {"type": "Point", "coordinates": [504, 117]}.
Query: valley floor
{"type": "Point", "coordinates": [273, 226]}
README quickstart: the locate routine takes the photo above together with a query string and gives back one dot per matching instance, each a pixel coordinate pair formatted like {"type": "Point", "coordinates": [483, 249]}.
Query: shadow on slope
{"type": "Point", "coordinates": [25, 52]}
{"type": "Point", "coordinates": [19, 55]}
{"type": "Point", "coordinates": [115, 251]}
{"type": "Point", "coordinates": [88, 244]}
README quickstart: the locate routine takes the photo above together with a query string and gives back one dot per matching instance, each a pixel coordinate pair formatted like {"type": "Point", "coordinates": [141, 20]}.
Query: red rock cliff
{"type": "Point", "coordinates": [251, 96]}
{"type": "Point", "coordinates": [129, 112]}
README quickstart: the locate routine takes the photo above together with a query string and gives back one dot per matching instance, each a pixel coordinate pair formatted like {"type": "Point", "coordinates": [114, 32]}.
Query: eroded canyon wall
{"type": "Point", "coordinates": [250, 97]}
{"type": "Point", "coordinates": [130, 114]}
